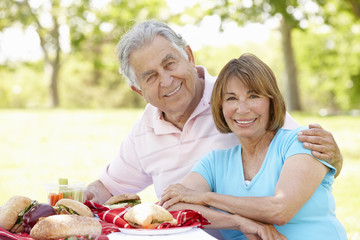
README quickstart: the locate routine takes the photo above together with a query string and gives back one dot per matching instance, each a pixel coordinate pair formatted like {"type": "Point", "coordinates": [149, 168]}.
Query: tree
{"type": "Point", "coordinates": [355, 7]}
{"type": "Point", "coordinates": [82, 20]}
{"type": "Point", "coordinates": [330, 58]}
{"type": "Point", "coordinates": [292, 14]}
{"type": "Point", "coordinates": [47, 19]}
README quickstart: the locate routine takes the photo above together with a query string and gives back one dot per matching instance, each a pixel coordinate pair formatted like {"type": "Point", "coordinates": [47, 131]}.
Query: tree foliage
{"type": "Point", "coordinates": [330, 59]}
{"type": "Point", "coordinates": [89, 25]}
{"type": "Point", "coordinates": [299, 16]}
{"type": "Point", "coordinates": [83, 68]}
{"type": "Point", "coordinates": [290, 13]}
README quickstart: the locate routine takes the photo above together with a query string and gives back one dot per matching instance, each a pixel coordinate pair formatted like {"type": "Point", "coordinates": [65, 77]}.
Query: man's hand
{"type": "Point", "coordinates": [97, 192]}
{"type": "Point", "coordinates": [322, 144]}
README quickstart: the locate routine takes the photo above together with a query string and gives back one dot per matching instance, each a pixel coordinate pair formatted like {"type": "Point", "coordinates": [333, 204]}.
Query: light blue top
{"type": "Point", "coordinates": [224, 173]}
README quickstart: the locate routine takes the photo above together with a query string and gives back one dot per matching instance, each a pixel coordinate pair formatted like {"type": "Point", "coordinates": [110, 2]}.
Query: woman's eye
{"type": "Point", "coordinates": [230, 98]}
{"type": "Point", "coordinates": [254, 96]}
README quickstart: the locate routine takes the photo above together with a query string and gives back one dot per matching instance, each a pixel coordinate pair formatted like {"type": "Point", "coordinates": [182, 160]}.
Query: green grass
{"type": "Point", "coordinates": [38, 147]}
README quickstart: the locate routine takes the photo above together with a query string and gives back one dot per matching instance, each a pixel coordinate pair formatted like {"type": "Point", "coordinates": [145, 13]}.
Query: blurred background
{"type": "Point", "coordinates": [64, 107]}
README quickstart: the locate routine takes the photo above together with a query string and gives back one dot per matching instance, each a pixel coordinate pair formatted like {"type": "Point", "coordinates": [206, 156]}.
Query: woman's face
{"type": "Point", "coordinates": [245, 111]}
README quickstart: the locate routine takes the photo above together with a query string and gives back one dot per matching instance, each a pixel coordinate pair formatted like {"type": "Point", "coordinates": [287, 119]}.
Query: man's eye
{"type": "Point", "coordinates": [169, 64]}
{"type": "Point", "coordinates": [150, 78]}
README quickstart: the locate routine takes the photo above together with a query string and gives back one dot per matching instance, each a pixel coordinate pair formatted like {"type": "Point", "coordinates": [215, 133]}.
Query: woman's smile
{"type": "Point", "coordinates": [242, 123]}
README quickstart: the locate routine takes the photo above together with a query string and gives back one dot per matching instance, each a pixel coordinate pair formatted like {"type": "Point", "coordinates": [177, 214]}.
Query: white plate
{"type": "Point", "coordinates": [164, 231]}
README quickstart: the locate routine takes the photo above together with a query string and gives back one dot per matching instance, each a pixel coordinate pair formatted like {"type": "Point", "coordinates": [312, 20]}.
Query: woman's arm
{"type": "Point", "coordinates": [299, 179]}
{"type": "Point", "coordinates": [222, 220]}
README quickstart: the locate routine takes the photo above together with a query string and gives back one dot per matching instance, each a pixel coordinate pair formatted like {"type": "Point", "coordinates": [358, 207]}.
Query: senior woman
{"type": "Point", "coordinates": [269, 177]}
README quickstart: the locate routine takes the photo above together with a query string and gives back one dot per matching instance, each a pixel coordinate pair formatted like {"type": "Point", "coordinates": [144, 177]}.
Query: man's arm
{"type": "Point", "coordinates": [323, 145]}
{"type": "Point", "coordinates": [97, 192]}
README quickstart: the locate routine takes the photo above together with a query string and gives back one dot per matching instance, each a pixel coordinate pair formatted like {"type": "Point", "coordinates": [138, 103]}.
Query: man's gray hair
{"type": "Point", "coordinates": [140, 35]}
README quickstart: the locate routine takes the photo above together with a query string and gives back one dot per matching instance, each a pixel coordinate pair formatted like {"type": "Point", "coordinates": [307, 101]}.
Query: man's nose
{"type": "Point", "coordinates": [166, 80]}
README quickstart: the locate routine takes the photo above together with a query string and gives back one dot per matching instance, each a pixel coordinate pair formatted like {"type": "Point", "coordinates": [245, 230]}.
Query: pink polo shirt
{"type": "Point", "coordinates": [156, 152]}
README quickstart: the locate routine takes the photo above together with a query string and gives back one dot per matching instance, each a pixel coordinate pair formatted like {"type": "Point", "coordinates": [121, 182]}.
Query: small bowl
{"type": "Point", "coordinates": [71, 191]}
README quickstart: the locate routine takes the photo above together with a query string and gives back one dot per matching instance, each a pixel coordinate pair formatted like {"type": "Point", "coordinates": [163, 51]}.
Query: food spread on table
{"type": "Point", "coordinates": [68, 218]}
{"type": "Point", "coordinates": [43, 221]}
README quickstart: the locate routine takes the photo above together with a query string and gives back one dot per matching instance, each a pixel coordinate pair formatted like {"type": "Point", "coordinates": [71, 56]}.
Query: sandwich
{"type": "Point", "coordinates": [35, 213]}
{"type": "Point", "coordinates": [62, 226]}
{"type": "Point", "coordinates": [123, 201]}
{"type": "Point", "coordinates": [70, 206]}
{"type": "Point", "coordinates": [148, 215]}
{"type": "Point", "coordinates": [13, 211]}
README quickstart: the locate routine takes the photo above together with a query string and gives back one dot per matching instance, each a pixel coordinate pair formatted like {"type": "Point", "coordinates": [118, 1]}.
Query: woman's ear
{"type": "Point", "coordinates": [136, 90]}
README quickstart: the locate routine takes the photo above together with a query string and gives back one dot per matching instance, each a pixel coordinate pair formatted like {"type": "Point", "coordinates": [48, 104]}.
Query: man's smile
{"type": "Point", "coordinates": [173, 92]}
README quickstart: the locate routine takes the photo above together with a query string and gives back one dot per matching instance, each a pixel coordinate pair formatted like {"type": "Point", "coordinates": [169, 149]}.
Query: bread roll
{"type": "Point", "coordinates": [123, 200]}
{"type": "Point", "coordinates": [148, 215]}
{"type": "Point", "coordinates": [61, 226]}
{"type": "Point", "coordinates": [76, 206]}
{"type": "Point", "coordinates": [11, 209]}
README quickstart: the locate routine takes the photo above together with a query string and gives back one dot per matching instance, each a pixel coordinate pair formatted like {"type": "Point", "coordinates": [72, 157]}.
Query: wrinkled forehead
{"type": "Point", "coordinates": [158, 47]}
{"type": "Point", "coordinates": [150, 57]}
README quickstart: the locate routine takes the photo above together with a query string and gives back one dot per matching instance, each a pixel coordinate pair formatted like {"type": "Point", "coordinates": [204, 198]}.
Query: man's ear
{"type": "Point", "coordinates": [136, 90]}
{"type": "Point", "coordinates": [190, 55]}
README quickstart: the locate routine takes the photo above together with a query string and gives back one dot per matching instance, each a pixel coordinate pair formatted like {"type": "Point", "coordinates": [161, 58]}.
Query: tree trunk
{"type": "Point", "coordinates": [55, 67]}
{"type": "Point", "coordinates": [97, 64]}
{"type": "Point", "coordinates": [355, 4]}
{"type": "Point", "coordinates": [291, 85]}
{"type": "Point", "coordinates": [54, 85]}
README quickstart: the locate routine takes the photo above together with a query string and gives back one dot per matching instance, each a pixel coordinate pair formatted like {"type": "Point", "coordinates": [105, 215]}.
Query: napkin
{"type": "Point", "coordinates": [185, 218]}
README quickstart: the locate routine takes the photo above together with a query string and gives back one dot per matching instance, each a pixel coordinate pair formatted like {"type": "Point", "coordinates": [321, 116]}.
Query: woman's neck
{"type": "Point", "coordinates": [253, 153]}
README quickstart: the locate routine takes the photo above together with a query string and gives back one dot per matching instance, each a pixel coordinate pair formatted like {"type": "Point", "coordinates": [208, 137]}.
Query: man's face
{"type": "Point", "coordinates": [167, 79]}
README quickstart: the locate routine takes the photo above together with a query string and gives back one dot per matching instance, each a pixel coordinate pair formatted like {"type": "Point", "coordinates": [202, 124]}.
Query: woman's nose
{"type": "Point", "coordinates": [242, 107]}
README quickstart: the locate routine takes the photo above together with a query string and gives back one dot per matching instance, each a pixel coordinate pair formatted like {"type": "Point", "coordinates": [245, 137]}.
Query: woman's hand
{"type": "Point", "coordinates": [179, 193]}
{"type": "Point", "coordinates": [255, 230]}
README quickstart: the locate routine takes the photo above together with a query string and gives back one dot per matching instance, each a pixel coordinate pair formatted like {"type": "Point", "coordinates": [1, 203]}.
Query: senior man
{"type": "Point", "coordinates": [176, 128]}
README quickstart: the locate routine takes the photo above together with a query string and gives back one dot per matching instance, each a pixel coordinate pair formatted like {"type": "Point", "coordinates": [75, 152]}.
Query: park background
{"type": "Point", "coordinates": [64, 108]}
